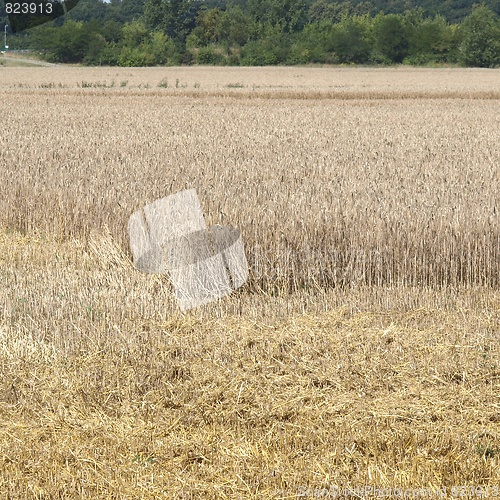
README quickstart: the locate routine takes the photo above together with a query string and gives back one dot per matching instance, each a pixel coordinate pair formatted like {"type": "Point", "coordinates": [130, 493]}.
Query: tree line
{"type": "Point", "coordinates": [270, 32]}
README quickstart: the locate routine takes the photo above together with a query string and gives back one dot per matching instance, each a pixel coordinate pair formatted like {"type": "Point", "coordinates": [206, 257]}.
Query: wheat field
{"type": "Point", "coordinates": [363, 350]}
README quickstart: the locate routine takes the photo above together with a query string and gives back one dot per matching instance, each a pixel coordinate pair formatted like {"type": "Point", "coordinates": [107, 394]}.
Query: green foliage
{"type": "Point", "coordinates": [312, 44]}
{"type": "Point", "coordinates": [176, 18]}
{"type": "Point", "coordinates": [481, 39]}
{"type": "Point", "coordinates": [350, 40]}
{"type": "Point", "coordinates": [321, 10]}
{"type": "Point", "coordinates": [88, 10]}
{"type": "Point", "coordinates": [135, 56]}
{"type": "Point", "coordinates": [346, 42]}
{"type": "Point", "coordinates": [208, 21]}
{"type": "Point", "coordinates": [134, 34]}
{"type": "Point", "coordinates": [93, 54]}
{"type": "Point", "coordinates": [235, 25]}
{"type": "Point", "coordinates": [162, 48]}
{"type": "Point", "coordinates": [112, 31]}
{"type": "Point", "coordinates": [289, 15]}
{"type": "Point", "coordinates": [391, 39]}
{"type": "Point", "coordinates": [258, 53]}
{"type": "Point", "coordinates": [120, 11]}
{"type": "Point", "coordinates": [131, 9]}
{"type": "Point", "coordinates": [141, 47]}
{"type": "Point", "coordinates": [214, 25]}
{"type": "Point", "coordinates": [110, 54]}
{"type": "Point", "coordinates": [210, 55]}
{"type": "Point", "coordinates": [264, 32]}
{"type": "Point", "coordinates": [273, 48]}
{"type": "Point", "coordinates": [430, 40]}
{"type": "Point", "coordinates": [67, 44]}
{"type": "Point", "coordinates": [195, 38]}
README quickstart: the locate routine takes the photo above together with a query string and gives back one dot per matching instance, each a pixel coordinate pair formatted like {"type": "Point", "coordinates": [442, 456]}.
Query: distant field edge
{"type": "Point", "coordinates": [48, 89]}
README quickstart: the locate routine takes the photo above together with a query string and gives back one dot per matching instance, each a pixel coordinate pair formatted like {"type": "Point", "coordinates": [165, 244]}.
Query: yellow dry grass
{"type": "Point", "coordinates": [363, 352]}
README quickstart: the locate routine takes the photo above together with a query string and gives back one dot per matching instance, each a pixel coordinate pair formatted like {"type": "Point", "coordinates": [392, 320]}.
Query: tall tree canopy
{"type": "Point", "coordinates": [253, 32]}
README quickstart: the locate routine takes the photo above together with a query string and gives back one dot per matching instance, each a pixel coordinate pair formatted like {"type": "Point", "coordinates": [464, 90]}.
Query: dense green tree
{"type": "Point", "coordinates": [289, 15]}
{"type": "Point", "coordinates": [142, 47]}
{"type": "Point", "coordinates": [135, 56]}
{"type": "Point", "coordinates": [363, 8]}
{"type": "Point", "coordinates": [231, 26]}
{"type": "Point", "coordinates": [272, 48]}
{"type": "Point", "coordinates": [176, 18]}
{"type": "Point", "coordinates": [391, 40]}
{"type": "Point", "coordinates": [162, 48]}
{"type": "Point", "coordinates": [155, 14]}
{"type": "Point", "coordinates": [481, 38]}
{"type": "Point", "coordinates": [114, 12]}
{"type": "Point", "coordinates": [210, 55]}
{"type": "Point", "coordinates": [429, 39]}
{"type": "Point", "coordinates": [87, 10]}
{"type": "Point", "coordinates": [93, 54]}
{"type": "Point", "coordinates": [68, 43]}
{"type": "Point", "coordinates": [209, 21]}
{"type": "Point", "coordinates": [109, 55]}
{"type": "Point", "coordinates": [313, 43]}
{"type": "Point", "coordinates": [148, 32]}
{"type": "Point", "coordinates": [112, 31]}
{"type": "Point", "coordinates": [347, 41]}
{"type": "Point", "coordinates": [132, 9]}
{"type": "Point", "coordinates": [350, 40]}
{"type": "Point", "coordinates": [452, 10]}
{"type": "Point", "coordinates": [134, 34]}
{"type": "Point", "coordinates": [321, 10]}
{"type": "Point", "coordinates": [235, 25]}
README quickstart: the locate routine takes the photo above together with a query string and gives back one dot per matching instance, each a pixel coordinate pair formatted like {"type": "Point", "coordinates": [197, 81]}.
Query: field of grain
{"type": "Point", "coordinates": [364, 349]}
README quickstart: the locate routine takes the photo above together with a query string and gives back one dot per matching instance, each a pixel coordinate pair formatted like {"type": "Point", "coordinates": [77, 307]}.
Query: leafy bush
{"type": "Point", "coordinates": [209, 55]}
{"type": "Point", "coordinates": [135, 57]}
{"type": "Point", "coordinates": [481, 39]}
{"type": "Point", "coordinates": [391, 40]}
{"type": "Point", "coordinates": [349, 40]}
{"type": "Point", "coordinates": [272, 48]}
{"type": "Point", "coordinates": [110, 54]}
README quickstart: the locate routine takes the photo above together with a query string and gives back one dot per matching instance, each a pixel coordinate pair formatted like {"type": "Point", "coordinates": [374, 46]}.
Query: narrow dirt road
{"type": "Point", "coordinates": [35, 62]}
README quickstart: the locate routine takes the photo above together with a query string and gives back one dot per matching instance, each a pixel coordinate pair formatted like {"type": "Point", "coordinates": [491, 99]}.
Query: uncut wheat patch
{"type": "Point", "coordinates": [327, 193]}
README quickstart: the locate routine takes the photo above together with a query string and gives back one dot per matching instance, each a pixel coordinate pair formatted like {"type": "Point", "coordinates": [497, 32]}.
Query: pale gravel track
{"type": "Point", "coordinates": [29, 61]}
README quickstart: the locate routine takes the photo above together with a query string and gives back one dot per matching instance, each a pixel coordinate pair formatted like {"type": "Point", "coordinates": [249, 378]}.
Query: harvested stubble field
{"type": "Point", "coordinates": [363, 351]}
